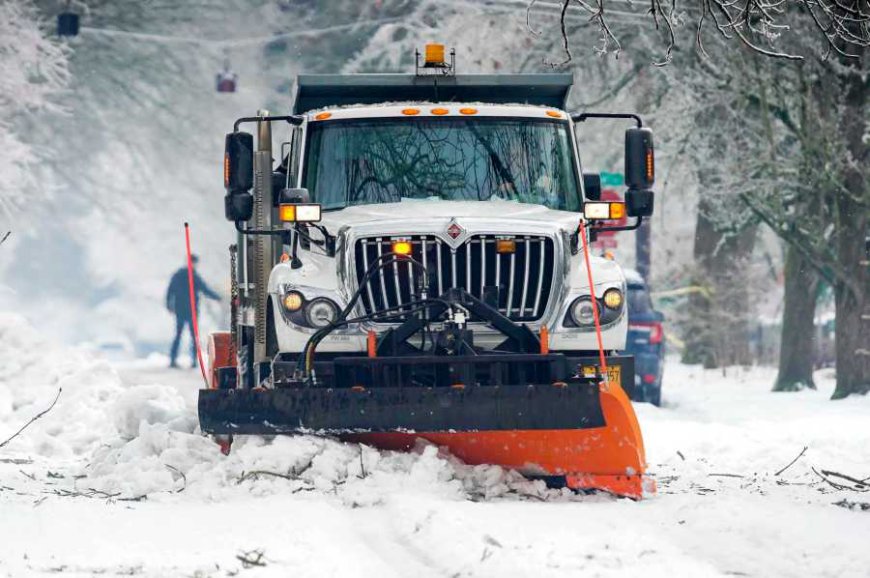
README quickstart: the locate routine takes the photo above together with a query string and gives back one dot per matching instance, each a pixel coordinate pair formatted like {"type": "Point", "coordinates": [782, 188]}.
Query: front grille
{"type": "Point", "coordinates": [518, 284]}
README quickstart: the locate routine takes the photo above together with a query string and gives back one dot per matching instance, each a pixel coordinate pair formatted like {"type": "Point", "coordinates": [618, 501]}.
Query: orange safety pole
{"type": "Point", "coordinates": [192, 295]}
{"type": "Point", "coordinates": [594, 301]}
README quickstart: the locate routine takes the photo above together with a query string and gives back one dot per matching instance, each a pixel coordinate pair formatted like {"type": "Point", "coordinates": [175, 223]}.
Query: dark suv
{"type": "Point", "coordinates": [645, 340]}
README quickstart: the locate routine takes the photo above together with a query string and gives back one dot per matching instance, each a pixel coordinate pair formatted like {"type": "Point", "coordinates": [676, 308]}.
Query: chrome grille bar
{"type": "Point", "coordinates": [540, 277]}
{"type": "Point", "coordinates": [528, 259]}
{"type": "Point", "coordinates": [510, 295]}
{"type": "Point", "coordinates": [440, 270]}
{"type": "Point", "coordinates": [468, 266]}
{"type": "Point", "coordinates": [381, 272]}
{"type": "Point", "coordinates": [365, 256]}
{"type": "Point", "coordinates": [532, 264]}
{"type": "Point", "coordinates": [482, 266]}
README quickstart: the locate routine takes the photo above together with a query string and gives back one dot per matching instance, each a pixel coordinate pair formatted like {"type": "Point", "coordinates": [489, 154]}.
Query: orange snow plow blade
{"type": "Point", "coordinates": [609, 458]}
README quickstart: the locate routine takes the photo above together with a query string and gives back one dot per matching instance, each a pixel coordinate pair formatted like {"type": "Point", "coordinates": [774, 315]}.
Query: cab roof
{"type": "Point", "coordinates": [318, 91]}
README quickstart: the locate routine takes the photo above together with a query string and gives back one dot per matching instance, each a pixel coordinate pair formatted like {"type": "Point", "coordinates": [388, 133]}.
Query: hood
{"type": "Point", "coordinates": [429, 210]}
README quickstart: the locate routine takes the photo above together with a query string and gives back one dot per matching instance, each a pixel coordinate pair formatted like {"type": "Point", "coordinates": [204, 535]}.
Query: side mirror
{"type": "Point", "coordinates": [289, 196]}
{"type": "Point", "coordinates": [592, 186]}
{"type": "Point", "coordinates": [639, 203]}
{"type": "Point", "coordinates": [238, 162]}
{"type": "Point", "coordinates": [238, 206]}
{"type": "Point", "coordinates": [640, 171]}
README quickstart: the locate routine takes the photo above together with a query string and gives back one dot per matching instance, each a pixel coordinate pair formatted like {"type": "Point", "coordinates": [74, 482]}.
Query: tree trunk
{"type": "Point", "coordinates": [852, 329]}
{"type": "Point", "coordinates": [717, 328]}
{"type": "Point", "coordinates": [798, 328]}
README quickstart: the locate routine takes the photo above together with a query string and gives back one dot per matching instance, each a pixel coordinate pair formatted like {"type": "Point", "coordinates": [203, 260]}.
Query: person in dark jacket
{"type": "Point", "coordinates": [178, 302]}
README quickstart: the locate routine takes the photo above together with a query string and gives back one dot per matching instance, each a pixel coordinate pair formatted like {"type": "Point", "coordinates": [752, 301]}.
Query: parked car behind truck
{"type": "Point", "coordinates": [645, 339]}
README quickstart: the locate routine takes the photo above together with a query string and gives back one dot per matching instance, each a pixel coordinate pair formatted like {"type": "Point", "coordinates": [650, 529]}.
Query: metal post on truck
{"type": "Point", "coordinates": [263, 245]}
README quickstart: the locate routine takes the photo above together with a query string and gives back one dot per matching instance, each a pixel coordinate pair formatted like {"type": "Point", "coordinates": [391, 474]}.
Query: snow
{"type": "Point", "coordinates": [117, 480]}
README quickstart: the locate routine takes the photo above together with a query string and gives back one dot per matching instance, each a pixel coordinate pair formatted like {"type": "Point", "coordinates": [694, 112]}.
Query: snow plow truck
{"type": "Point", "coordinates": [412, 262]}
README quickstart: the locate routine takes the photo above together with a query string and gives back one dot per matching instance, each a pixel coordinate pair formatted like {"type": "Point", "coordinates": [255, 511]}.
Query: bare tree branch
{"type": "Point", "coordinates": [33, 419]}
{"type": "Point", "coordinates": [842, 24]}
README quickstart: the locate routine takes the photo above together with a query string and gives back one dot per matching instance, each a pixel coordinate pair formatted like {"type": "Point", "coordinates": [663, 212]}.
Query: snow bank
{"type": "Point", "coordinates": [134, 440]}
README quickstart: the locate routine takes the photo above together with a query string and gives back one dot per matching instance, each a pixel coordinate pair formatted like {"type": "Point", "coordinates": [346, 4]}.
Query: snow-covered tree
{"type": "Point", "coordinates": [33, 72]}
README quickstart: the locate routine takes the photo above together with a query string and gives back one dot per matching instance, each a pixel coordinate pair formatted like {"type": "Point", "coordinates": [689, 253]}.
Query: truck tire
{"type": "Point", "coordinates": [655, 396]}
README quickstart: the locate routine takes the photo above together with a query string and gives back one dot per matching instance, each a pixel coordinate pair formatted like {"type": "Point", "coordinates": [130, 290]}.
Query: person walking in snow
{"type": "Point", "coordinates": [178, 302]}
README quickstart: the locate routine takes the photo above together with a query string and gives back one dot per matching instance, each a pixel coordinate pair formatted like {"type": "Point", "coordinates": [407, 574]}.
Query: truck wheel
{"type": "Point", "coordinates": [655, 396]}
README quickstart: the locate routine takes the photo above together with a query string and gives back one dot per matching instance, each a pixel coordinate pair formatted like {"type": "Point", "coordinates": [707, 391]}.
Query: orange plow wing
{"type": "Point", "coordinates": [609, 458]}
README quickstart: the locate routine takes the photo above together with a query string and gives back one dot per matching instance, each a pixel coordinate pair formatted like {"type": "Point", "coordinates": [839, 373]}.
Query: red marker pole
{"type": "Point", "coordinates": [594, 302]}
{"type": "Point", "coordinates": [193, 303]}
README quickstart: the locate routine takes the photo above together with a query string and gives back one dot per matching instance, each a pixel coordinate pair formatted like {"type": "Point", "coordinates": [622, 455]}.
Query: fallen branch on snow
{"type": "Point", "coordinates": [855, 485]}
{"type": "Point", "coordinates": [252, 558]}
{"type": "Point", "coordinates": [791, 463]}
{"type": "Point", "coordinates": [854, 506]}
{"type": "Point", "coordinates": [33, 419]}
{"type": "Point", "coordinates": [6, 236]}
{"type": "Point", "coordinates": [183, 478]}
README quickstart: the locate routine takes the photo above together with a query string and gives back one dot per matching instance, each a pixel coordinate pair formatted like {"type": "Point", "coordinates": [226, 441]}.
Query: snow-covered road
{"type": "Point", "coordinates": [116, 481]}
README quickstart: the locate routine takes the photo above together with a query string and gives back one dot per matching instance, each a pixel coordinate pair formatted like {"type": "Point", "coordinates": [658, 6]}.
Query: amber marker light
{"type": "Point", "coordinates": [554, 113]}
{"type": "Point", "coordinates": [467, 111]}
{"type": "Point", "coordinates": [410, 111]}
{"type": "Point", "coordinates": [617, 211]}
{"type": "Point", "coordinates": [650, 165]}
{"type": "Point", "coordinates": [402, 248]}
{"type": "Point", "coordinates": [439, 111]}
{"type": "Point", "coordinates": [287, 213]}
{"type": "Point", "coordinates": [434, 54]}
{"type": "Point", "coordinates": [323, 116]}
{"type": "Point", "coordinates": [505, 246]}
{"type": "Point", "coordinates": [227, 170]}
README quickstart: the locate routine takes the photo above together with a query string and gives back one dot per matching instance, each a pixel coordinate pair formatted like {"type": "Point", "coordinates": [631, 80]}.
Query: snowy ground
{"type": "Point", "coordinates": [114, 480]}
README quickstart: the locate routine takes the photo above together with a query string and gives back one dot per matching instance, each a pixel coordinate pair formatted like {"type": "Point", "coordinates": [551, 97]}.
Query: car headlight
{"type": "Point", "coordinates": [613, 298]}
{"type": "Point", "coordinates": [582, 313]}
{"type": "Point", "coordinates": [321, 312]}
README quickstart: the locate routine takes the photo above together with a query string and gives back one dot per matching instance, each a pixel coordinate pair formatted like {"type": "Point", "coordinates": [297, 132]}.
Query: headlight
{"type": "Point", "coordinates": [581, 311]}
{"type": "Point", "coordinates": [293, 301]}
{"type": "Point", "coordinates": [321, 312]}
{"type": "Point", "coordinates": [613, 298]}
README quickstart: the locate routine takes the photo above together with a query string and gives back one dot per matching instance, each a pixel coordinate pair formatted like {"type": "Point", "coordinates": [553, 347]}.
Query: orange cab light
{"type": "Point", "coordinates": [434, 54]}
{"type": "Point", "coordinates": [505, 246]}
{"type": "Point", "coordinates": [402, 248]}
{"type": "Point", "coordinates": [554, 113]}
{"type": "Point", "coordinates": [439, 111]}
{"type": "Point", "coordinates": [468, 111]}
{"type": "Point", "coordinates": [287, 213]}
{"type": "Point", "coordinates": [617, 211]}
{"type": "Point", "coordinates": [410, 111]}
{"type": "Point", "coordinates": [323, 116]}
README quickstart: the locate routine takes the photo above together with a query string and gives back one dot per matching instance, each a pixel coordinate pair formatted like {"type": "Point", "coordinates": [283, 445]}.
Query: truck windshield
{"type": "Point", "coordinates": [369, 161]}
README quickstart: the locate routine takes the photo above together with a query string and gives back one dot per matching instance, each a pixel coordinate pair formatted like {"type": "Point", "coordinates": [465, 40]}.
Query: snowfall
{"type": "Point", "coordinates": [116, 479]}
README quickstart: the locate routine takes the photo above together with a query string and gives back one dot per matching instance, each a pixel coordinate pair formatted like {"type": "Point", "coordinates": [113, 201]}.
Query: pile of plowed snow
{"type": "Point", "coordinates": [131, 441]}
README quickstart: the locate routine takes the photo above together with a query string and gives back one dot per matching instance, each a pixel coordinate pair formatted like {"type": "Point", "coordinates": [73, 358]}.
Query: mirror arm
{"type": "Point", "coordinates": [637, 224]}
{"type": "Point", "coordinates": [292, 119]}
{"type": "Point", "coordinates": [581, 117]}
